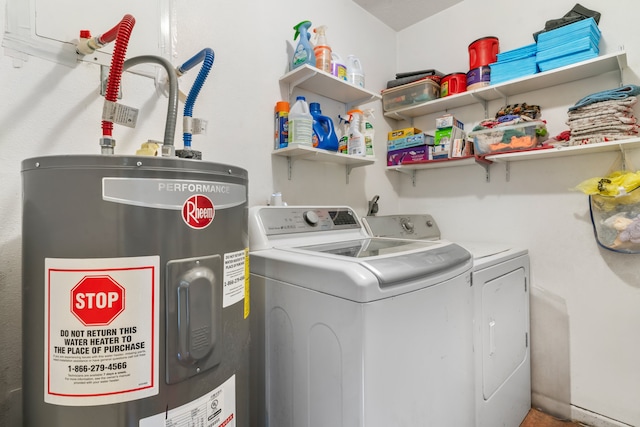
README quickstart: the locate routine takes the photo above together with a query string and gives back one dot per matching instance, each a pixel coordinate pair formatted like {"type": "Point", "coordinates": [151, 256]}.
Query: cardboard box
{"type": "Point", "coordinates": [439, 152]}
{"type": "Point", "coordinates": [410, 141]}
{"type": "Point", "coordinates": [402, 133]}
{"type": "Point", "coordinates": [446, 135]}
{"type": "Point", "coordinates": [457, 148]}
{"type": "Point", "coordinates": [448, 121]}
{"type": "Point", "coordinates": [407, 156]}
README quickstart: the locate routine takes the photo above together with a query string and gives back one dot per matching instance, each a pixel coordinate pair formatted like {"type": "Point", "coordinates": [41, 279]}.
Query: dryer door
{"type": "Point", "coordinates": [504, 328]}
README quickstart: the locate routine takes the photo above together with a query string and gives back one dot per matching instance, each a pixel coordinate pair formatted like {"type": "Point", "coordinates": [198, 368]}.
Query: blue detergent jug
{"type": "Point", "coordinates": [324, 134]}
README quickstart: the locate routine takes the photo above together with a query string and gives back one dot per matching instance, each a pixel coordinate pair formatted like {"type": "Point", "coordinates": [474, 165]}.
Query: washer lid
{"type": "Point", "coordinates": [392, 261]}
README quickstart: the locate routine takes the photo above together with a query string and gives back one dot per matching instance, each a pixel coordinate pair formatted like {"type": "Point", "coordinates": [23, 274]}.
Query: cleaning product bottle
{"type": "Point", "coordinates": [369, 132]}
{"type": "Point", "coordinates": [324, 134]}
{"type": "Point", "coordinates": [304, 51]}
{"type": "Point", "coordinates": [343, 142]}
{"type": "Point", "coordinates": [355, 73]}
{"type": "Point", "coordinates": [300, 123]}
{"type": "Point", "coordinates": [338, 68]}
{"type": "Point", "coordinates": [281, 128]}
{"type": "Point", "coordinates": [356, 138]}
{"type": "Point", "coordinates": [322, 50]}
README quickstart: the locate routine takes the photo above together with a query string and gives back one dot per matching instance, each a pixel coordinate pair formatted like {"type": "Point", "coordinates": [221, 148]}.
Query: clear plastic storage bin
{"type": "Point", "coordinates": [410, 94]}
{"type": "Point", "coordinates": [523, 136]}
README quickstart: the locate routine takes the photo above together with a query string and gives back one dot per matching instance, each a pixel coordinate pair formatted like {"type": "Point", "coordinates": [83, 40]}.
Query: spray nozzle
{"type": "Point", "coordinates": [320, 37]}
{"type": "Point", "coordinates": [302, 27]}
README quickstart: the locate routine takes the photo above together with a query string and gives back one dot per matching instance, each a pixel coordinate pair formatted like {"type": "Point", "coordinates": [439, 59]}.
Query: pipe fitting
{"type": "Point", "coordinates": [87, 46]}
{"type": "Point", "coordinates": [107, 145]}
{"type": "Point", "coordinates": [168, 150]}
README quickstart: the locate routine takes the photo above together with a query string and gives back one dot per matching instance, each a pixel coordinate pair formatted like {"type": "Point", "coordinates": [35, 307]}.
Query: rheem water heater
{"type": "Point", "coordinates": [135, 292]}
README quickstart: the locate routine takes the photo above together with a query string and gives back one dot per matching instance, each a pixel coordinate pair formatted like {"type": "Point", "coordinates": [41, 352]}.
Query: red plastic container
{"type": "Point", "coordinates": [483, 52]}
{"type": "Point", "coordinates": [453, 83]}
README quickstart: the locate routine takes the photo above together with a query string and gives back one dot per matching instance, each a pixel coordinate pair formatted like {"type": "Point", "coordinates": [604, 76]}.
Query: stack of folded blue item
{"type": "Point", "coordinates": [514, 63]}
{"type": "Point", "coordinates": [567, 45]}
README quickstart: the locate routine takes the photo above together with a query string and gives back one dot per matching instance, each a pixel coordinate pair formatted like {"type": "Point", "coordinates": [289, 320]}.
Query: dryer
{"type": "Point", "coordinates": [353, 331]}
{"type": "Point", "coordinates": [500, 279]}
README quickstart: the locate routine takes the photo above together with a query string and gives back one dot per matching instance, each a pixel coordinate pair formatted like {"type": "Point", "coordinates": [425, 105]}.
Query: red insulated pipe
{"type": "Point", "coordinates": [121, 34]}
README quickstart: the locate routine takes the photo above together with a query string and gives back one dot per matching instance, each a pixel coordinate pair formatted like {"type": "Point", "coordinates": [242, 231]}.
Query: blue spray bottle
{"type": "Point", "coordinates": [324, 134]}
{"type": "Point", "coordinates": [304, 51]}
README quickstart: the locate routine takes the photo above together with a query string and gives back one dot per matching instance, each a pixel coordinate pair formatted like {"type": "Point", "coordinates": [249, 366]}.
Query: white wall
{"type": "Point", "coordinates": [53, 109]}
{"type": "Point", "coordinates": [585, 316]}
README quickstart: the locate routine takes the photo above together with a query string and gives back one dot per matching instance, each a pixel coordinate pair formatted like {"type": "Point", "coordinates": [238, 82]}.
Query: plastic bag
{"type": "Point", "coordinates": [616, 221]}
{"type": "Point", "coordinates": [614, 203]}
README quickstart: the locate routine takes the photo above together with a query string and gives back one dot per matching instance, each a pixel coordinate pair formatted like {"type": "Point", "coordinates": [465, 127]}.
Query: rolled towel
{"type": "Point", "coordinates": [622, 92]}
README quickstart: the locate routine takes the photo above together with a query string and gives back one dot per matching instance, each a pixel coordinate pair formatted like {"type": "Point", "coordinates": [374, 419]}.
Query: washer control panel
{"type": "Point", "coordinates": [422, 227]}
{"type": "Point", "coordinates": [288, 220]}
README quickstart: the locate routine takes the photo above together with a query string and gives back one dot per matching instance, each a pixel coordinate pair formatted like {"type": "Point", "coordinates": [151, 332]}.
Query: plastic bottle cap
{"type": "Point", "coordinates": [354, 112]}
{"type": "Point", "coordinates": [301, 98]}
{"type": "Point", "coordinates": [85, 34]}
{"type": "Point", "coordinates": [282, 106]}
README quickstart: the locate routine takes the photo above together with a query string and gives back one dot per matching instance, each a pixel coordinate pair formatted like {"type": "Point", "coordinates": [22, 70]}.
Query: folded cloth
{"type": "Point", "coordinates": [622, 92]}
{"type": "Point", "coordinates": [595, 139]}
{"type": "Point", "coordinates": [611, 128]}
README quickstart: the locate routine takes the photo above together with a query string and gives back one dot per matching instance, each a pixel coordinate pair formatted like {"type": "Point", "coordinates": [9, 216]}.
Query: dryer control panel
{"type": "Point", "coordinates": [300, 219]}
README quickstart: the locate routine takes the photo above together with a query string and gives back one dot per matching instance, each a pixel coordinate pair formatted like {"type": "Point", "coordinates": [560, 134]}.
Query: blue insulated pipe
{"type": "Point", "coordinates": [205, 56]}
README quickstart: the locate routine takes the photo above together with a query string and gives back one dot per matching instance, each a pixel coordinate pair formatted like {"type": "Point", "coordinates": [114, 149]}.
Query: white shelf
{"type": "Point", "coordinates": [304, 152]}
{"type": "Point", "coordinates": [620, 145]}
{"type": "Point", "coordinates": [505, 158]}
{"type": "Point", "coordinates": [558, 76]}
{"type": "Point", "coordinates": [317, 81]}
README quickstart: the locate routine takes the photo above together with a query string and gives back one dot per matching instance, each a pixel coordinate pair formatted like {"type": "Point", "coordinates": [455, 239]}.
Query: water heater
{"type": "Point", "coordinates": [135, 292]}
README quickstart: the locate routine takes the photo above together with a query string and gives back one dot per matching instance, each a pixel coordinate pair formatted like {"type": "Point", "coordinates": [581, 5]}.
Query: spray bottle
{"type": "Point", "coordinates": [369, 132]}
{"type": "Point", "coordinates": [343, 142]}
{"type": "Point", "coordinates": [322, 50]}
{"type": "Point", "coordinates": [304, 51]}
{"type": "Point", "coordinates": [356, 138]}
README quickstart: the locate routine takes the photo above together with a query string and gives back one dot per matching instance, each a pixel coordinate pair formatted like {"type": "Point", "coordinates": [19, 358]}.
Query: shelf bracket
{"type": "Point", "coordinates": [507, 170]}
{"type": "Point", "coordinates": [289, 167]}
{"type": "Point", "coordinates": [484, 104]}
{"type": "Point", "coordinates": [622, 61]}
{"type": "Point", "coordinates": [296, 83]}
{"type": "Point", "coordinates": [623, 158]}
{"type": "Point", "coordinates": [403, 117]}
{"type": "Point", "coordinates": [348, 169]}
{"type": "Point", "coordinates": [486, 165]}
{"type": "Point", "coordinates": [412, 174]}
{"type": "Point", "coordinates": [354, 104]}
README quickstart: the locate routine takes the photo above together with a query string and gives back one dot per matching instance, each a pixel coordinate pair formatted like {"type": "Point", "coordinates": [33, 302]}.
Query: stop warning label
{"type": "Point", "coordinates": [101, 330]}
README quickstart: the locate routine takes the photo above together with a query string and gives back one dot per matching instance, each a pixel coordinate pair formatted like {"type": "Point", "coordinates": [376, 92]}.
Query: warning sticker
{"type": "Point", "coordinates": [101, 330]}
{"type": "Point", "coordinates": [234, 277]}
{"type": "Point", "coordinates": [217, 408]}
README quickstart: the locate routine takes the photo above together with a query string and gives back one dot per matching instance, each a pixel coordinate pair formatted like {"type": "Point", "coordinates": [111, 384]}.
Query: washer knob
{"type": "Point", "coordinates": [408, 226]}
{"type": "Point", "coordinates": [429, 223]}
{"type": "Point", "coordinates": [311, 218]}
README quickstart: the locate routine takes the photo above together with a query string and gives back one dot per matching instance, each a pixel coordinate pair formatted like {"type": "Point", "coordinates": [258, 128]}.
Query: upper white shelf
{"type": "Point", "coordinates": [581, 70]}
{"type": "Point", "coordinates": [303, 152]}
{"type": "Point", "coordinates": [317, 81]}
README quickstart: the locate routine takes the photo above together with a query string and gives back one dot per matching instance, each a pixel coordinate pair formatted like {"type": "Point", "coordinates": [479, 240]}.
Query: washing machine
{"type": "Point", "coordinates": [351, 330]}
{"type": "Point", "coordinates": [500, 279]}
